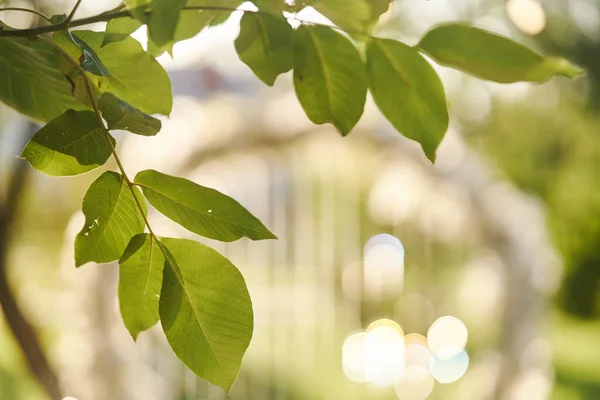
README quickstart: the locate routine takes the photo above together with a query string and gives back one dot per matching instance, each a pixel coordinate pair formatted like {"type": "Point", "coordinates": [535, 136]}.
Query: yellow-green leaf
{"type": "Point", "coordinates": [112, 218]}
{"type": "Point", "coordinates": [205, 311]}
{"type": "Point", "coordinates": [492, 57]}
{"type": "Point", "coordinates": [329, 77]}
{"type": "Point", "coordinates": [71, 144]}
{"type": "Point", "coordinates": [202, 210]}
{"type": "Point", "coordinates": [408, 92]}
{"type": "Point", "coordinates": [120, 115]}
{"type": "Point", "coordinates": [140, 281]}
{"type": "Point", "coordinates": [265, 45]}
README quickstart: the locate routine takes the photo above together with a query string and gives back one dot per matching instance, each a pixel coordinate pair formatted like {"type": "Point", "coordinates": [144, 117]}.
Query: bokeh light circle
{"type": "Point", "coordinates": [384, 356]}
{"type": "Point", "coordinates": [385, 322]}
{"type": "Point", "coordinates": [527, 15]}
{"type": "Point", "coordinates": [384, 252]}
{"type": "Point", "coordinates": [447, 337]}
{"type": "Point", "coordinates": [416, 384]}
{"type": "Point", "coordinates": [353, 356]}
{"type": "Point", "coordinates": [449, 370]}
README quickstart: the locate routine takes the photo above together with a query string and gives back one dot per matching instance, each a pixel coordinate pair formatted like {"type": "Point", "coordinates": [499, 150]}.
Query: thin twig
{"type": "Point", "coordinates": [72, 14]}
{"type": "Point", "coordinates": [27, 10]}
{"type": "Point", "coordinates": [108, 16]}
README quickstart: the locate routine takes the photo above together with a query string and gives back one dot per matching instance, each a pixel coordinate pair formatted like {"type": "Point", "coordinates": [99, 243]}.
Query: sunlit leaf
{"type": "Point", "coordinates": [140, 281]}
{"type": "Point", "coordinates": [222, 11]}
{"type": "Point", "coordinates": [202, 210]}
{"type": "Point", "coordinates": [490, 56]}
{"type": "Point", "coordinates": [71, 144]}
{"type": "Point", "coordinates": [112, 218]}
{"type": "Point", "coordinates": [120, 115]}
{"type": "Point", "coordinates": [205, 311]}
{"type": "Point", "coordinates": [329, 77]}
{"type": "Point", "coordinates": [31, 81]}
{"type": "Point", "coordinates": [265, 45]}
{"type": "Point", "coordinates": [119, 29]}
{"type": "Point", "coordinates": [352, 14]}
{"type": "Point", "coordinates": [408, 92]}
{"type": "Point", "coordinates": [135, 76]}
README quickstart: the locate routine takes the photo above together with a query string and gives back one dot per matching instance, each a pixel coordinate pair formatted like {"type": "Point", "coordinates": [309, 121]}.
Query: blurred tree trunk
{"type": "Point", "coordinates": [21, 328]}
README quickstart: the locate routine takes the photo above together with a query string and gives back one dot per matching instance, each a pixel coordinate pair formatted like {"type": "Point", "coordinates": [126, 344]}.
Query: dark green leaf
{"type": "Point", "coordinates": [112, 218]}
{"type": "Point", "coordinates": [119, 29]}
{"type": "Point", "coordinates": [205, 311]}
{"type": "Point", "coordinates": [352, 14]}
{"type": "Point", "coordinates": [202, 210]}
{"type": "Point", "coordinates": [120, 115]}
{"type": "Point", "coordinates": [58, 18]}
{"type": "Point", "coordinates": [329, 77]}
{"type": "Point", "coordinates": [135, 76]}
{"type": "Point", "coordinates": [162, 23]}
{"type": "Point", "coordinates": [81, 53]}
{"type": "Point", "coordinates": [265, 45]}
{"type": "Point", "coordinates": [408, 92]}
{"type": "Point", "coordinates": [71, 144]}
{"type": "Point", "coordinates": [490, 56]}
{"type": "Point", "coordinates": [140, 281]}
{"type": "Point", "coordinates": [31, 81]}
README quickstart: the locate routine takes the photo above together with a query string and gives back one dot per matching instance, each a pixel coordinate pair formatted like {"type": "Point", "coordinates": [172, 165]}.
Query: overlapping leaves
{"type": "Point", "coordinates": [200, 298]}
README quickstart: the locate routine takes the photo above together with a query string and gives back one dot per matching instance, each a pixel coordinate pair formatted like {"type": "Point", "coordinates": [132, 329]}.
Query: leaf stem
{"type": "Point", "coordinates": [94, 101]}
{"type": "Point", "coordinates": [27, 10]}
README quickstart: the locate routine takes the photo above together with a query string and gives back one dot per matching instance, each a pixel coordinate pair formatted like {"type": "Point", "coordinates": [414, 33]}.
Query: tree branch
{"type": "Point", "coordinates": [21, 328]}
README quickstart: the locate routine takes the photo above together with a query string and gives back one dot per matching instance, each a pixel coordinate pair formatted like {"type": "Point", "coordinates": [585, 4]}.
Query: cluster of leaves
{"type": "Point", "coordinates": [85, 84]}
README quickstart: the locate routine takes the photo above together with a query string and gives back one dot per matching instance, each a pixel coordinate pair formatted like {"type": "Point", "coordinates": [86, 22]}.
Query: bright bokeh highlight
{"type": "Point", "coordinates": [385, 322]}
{"type": "Point", "coordinates": [447, 337]}
{"type": "Point", "coordinates": [449, 370]}
{"type": "Point", "coordinates": [416, 384]}
{"type": "Point", "coordinates": [353, 356]}
{"type": "Point", "coordinates": [384, 356]}
{"type": "Point", "coordinates": [383, 264]}
{"type": "Point", "coordinates": [527, 15]}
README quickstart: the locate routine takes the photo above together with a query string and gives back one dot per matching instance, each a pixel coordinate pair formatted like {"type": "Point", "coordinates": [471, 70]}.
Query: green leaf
{"type": "Point", "coordinates": [81, 52]}
{"type": "Point", "coordinates": [378, 8]}
{"type": "Point", "coordinates": [137, 8]}
{"type": "Point", "coordinates": [31, 81]}
{"type": "Point", "coordinates": [112, 218]}
{"type": "Point", "coordinates": [205, 311]}
{"type": "Point", "coordinates": [71, 144]}
{"type": "Point", "coordinates": [202, 210]}
{"type": "Point", "coordinates": [120, 115]}
{"type": "Point", "coordinates": [265, 45]}
{"type": "Point", "coordinates": [329, 77]}
{"type": "Point", "coordinates": [492, 57]}
{"type": "Point", "coordinates": [120, 29]}
{"type": "Point", "coordinates": [408, 92]}
{"type": "Point", "coordinates": [352, 14]}
{"type": "Point", "coordinates": [275, 7]}
{"type": "Point", "coordinates": [135, 76]}
{"type": "Point", "coordinates": [190, 24]}
{"type": "Point", "coordinates": [140, 281]}
{"type": "Point", "coordinates": [162, 23]}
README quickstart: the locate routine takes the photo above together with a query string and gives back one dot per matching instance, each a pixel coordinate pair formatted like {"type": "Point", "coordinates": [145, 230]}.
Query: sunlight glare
{"type": "Point", "coordinates": [384, 356]}
{"type": "Point", "coordinates": [353, 357]}
{"type": "Point", "coordinates": [449, 370]}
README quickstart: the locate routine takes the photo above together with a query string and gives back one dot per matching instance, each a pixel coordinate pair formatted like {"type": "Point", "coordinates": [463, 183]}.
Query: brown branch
{"type": "Point", "coordinates": [21, 328]}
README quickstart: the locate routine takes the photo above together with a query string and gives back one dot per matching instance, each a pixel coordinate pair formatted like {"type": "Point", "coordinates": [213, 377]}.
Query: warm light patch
{"type": "Point", "coordinates": [527, 15]}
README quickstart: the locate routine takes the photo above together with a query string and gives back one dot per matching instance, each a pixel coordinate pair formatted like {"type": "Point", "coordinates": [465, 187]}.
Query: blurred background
{"type": "Point", "coordinates": [503, 233]}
